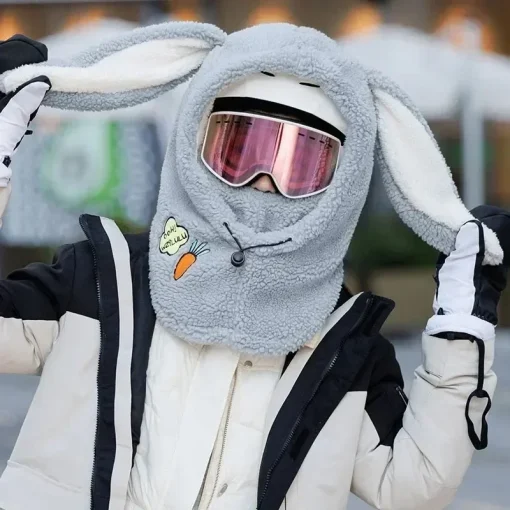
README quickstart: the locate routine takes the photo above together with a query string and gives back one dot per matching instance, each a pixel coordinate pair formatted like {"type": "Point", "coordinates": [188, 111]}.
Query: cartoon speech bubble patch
{"type": "Point", "coordinates": [173, 238]}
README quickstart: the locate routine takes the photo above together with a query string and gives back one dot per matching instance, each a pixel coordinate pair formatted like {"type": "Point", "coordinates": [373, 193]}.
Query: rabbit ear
{"type": "Point", "coordinates": [417, 178]}
{"type": "Point", "coordinates": [128, 70]}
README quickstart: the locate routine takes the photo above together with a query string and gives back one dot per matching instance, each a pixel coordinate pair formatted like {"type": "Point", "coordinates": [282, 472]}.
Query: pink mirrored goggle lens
{"type": "Point", "coordinates": [238, 147]}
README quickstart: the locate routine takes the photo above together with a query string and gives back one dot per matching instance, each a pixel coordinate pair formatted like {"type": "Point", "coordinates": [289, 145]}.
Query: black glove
{"type": "Point", "coordinates": [467, 297]}
{"type": "Point", "coordinates": [18, 108]}
{"type": "Point", "coordinates": [468, 292]}
{"type": "Point", "coordinates": [19, 51]}
{"type": "Point", "coordinates": [493, 279]}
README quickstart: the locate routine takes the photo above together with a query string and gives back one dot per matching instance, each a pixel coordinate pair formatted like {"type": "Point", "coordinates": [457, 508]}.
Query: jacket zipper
{"type": "Point", "coordinates": [224, 439]}
{"type": "Point", "coordinates": [326, 372]}
{"type": "Point", "coordinates": [101, 343]}
{"type": "Point", "coordinates": [402, 395]}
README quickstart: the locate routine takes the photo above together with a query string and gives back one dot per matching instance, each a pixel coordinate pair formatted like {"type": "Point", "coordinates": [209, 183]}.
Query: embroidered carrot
{"type": "Point", "coordinates": [188, 259]}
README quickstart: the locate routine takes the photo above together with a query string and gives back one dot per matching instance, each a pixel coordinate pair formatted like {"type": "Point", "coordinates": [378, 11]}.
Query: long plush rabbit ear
{"type": "Point", "coordinates": [416, 176]}
{"type": "Point", "coordinates": [130, 69]}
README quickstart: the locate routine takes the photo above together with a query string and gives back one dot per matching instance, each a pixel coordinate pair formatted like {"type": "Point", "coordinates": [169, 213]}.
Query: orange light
{"type": "Point", "coordinates": [270, 14]}
{"type": "Point", "coordinates": [185, 14]}
{"type": "Point", "coordinates": [184, 10]}
{"type": "Point", "coordinates": [450, 26]}
{"type": "Point", "coordinates": [360, 20]}
{"type": "Point", "coordinates": [84, 17]}
{"type": "Point", "coordinates": [9, 25]}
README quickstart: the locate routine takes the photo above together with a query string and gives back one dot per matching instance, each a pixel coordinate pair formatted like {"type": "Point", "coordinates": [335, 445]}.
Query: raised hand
{"type": "Point", "coordinates": [467, 297]}
{"type": "Point", "coordinates": [19, 108]}
{"type": "Point", "coordinates": [468, 292]}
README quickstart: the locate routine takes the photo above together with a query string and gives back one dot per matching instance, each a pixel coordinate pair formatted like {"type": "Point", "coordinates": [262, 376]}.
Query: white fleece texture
{"type": "Point", "coordinates": [281, 296]}
{"type": "Point", "coordinates": [192, 33]}
{"type": "Point", "coordinates": [143, 65]}
{"type": "Point", "coordinates": [419, 170]}
{"type": "Point", "coordinates": [417, 167]}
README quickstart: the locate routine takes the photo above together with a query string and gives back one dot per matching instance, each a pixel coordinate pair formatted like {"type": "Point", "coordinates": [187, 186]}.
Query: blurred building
{"type": "Point", "coordinates": [335, 17]}
{"type": "Point", "coordinates": [39, 18]}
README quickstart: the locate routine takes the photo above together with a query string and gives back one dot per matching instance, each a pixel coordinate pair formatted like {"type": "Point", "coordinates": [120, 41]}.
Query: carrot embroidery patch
{"type": "Point", "coordinates": [173, 238]}
{"type": "Point", "coordinates": [188, 259]}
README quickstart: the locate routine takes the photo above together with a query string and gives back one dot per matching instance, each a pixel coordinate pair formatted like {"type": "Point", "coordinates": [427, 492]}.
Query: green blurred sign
{"type": "Point", "coordinates": [108, 167]}
{"type": "Point", "coordinates": [81, 166]}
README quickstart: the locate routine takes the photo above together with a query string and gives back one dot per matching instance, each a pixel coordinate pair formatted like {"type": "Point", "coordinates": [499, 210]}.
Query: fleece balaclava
{"type": "Point", "coordinates": [279, 298]}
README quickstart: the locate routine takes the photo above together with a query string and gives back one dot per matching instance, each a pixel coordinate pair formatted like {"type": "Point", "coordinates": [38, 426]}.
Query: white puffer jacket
{"type": "Point", "coordinates": [209, 427]}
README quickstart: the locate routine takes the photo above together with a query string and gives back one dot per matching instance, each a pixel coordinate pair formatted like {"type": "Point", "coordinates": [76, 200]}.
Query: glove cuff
{"type": "Point", "coordinates": [461, 323]}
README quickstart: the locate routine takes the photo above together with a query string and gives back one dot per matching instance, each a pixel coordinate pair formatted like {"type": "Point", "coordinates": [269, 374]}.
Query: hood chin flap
{"type": "Point", "coordinates": [258, 294]}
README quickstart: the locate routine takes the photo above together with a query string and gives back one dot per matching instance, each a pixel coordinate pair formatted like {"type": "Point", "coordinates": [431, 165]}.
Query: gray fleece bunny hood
{"type": "Point", "coordinates": [279, 298]}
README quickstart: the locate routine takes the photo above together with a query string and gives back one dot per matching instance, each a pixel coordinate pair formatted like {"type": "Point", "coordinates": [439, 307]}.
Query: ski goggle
{"type": "Point", "coordinates": [239, 147]}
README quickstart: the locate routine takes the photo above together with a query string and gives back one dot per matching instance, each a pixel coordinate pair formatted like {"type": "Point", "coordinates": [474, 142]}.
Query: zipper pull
{"type": "Point", "coordinates": [377, 310]}
{"type": "Point", "coordinates": [402, 395]}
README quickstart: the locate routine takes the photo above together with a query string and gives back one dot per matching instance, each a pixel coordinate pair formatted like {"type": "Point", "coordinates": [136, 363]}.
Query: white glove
{"type": "Point", "coordinates": [17, 110]}
{"type": "Point", "coordinates": [468, 292]}
{"type": "Point", "coordinates": [467, 296]}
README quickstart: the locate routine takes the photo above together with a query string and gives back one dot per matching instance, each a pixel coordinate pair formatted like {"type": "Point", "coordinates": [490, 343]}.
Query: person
{"type": "Point", "coordinates": [217, 362]}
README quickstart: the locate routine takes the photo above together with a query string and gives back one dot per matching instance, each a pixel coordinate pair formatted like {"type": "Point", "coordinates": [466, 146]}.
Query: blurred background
{"type": "Point", "coordinates": [451, 56]}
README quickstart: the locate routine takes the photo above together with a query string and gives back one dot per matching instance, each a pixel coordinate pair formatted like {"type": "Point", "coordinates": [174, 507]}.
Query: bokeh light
{"type": "Point", "coordinates": [360, 20]}
{"type": "Point", "coordinates": [270, 13]}
{"type": "Point", "coordinates": [452, 21]}
{"type": "Point", "coordinates": [10, 24]}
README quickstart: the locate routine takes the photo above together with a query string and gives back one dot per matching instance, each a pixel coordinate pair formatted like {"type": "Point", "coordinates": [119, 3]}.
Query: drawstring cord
{"type": "Point", "coordinates": [238, 258]}
{"type": "Point", "coordinates": [479, 442]}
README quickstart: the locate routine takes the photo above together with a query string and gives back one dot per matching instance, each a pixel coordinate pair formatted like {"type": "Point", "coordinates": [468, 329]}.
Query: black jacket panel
{"type": "Point", "coordinates": [40, 291]}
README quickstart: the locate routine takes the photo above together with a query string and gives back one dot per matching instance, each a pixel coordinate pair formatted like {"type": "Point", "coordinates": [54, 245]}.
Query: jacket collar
{"type": "Point", "coordinates": [344, 304]}
{"type": "Point", "coordinates": [316, 381]}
